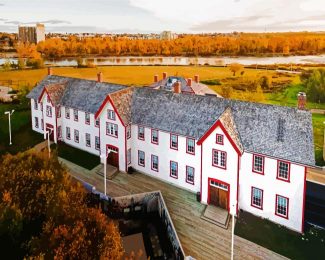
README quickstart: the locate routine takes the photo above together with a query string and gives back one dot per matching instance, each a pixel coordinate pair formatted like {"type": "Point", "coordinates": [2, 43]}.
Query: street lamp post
{"type": "Point", "coordinates": [9, 113]}
{"type": "Point", "coordinates": [104, 157]}
{"type": "Point", "coordinates": [233, 212]}
{"type": "Point", "coordinates": [49, 132]}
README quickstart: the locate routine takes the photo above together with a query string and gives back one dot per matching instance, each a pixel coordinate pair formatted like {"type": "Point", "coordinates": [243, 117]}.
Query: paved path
{"type": "Point", "coordinates": [199, 238]}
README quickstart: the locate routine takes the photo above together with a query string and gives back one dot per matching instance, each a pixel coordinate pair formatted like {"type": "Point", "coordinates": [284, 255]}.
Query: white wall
{"type": "Point", "coordinates": [228, 175]}
{"type": "Point", "coordinates": [36, 113]}
{"type": "Point", "coordinates": [82, 127]}
{"type": "Point", "coordinates": [49, 120]}
{"type": "Point", "coordinates": [165, 155]}
{"type": "Point", "coordinates": [271, 186]}
{"type": "Point", "coordinates": [118, 142]}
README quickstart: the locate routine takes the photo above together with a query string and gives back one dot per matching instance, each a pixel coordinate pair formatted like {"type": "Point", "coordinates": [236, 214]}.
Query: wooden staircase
{"type": "Point", "coordinates": [111, 171]}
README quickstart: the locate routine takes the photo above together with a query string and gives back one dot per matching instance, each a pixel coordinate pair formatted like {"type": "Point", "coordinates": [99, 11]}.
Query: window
{"type": "Point", "coordinates": [283, 171]}
{"type": "Point", "coordinates": [281, 207]}
{"type": "Point", "coordinates": [190, 146]}
{"type": "Point", "coordinates": [154, 136]}
{"type": "Point", "coordinates": [35, 105]}
{"type": "Point", "coordinates": [76, 136]}
{"type": "Point", "coordinates": [42, 124]}
{"type": "Point", "coordinates": [174, 141]}
{"type": "Point", "coordinates": [219, 139]}
{"type": "Point", "coordinates": [87, 119]}
{"type": "Point", "coordinates": [257, 198]}
{"type": "Point", "coordinates": [174, 169]}
{"type": "Point", "coordinates": [68, 134]}
{"type": "Point", "coordinates": [154, 162]}
{"type": "Point", "coordinates": [141, 132]}
{"type": "Point", "coordinates": [97, 122]}
{"type": "Point", "coordinates": [219, 185]}
{"type": "Point", "coordinates": [67, 113]}
{"type": "Point", "coordinates": [36, 122]}
{"type": "Point", "coordinates": [48, 111]}
{"type": "Point", "coordinates": [189, 174]}
{"type": "Point", "coordinates": [41, 106]}
{"type": "Point", "coordinates": [129, 156]}
{"type": "Point", "coordinates": [110, 114]}
{"type": "Point", "coordinates": [111, 129]}
{"type": "Point", "coordinates": [128, 132]}
{"type": "Point", "coordinates": [258, 164]}
{"type": "Point", "coordinates": [97, 143]}
{"type": "Point", "coordinates": [219, 159]}
{"type": "Point", "coordinates": [75, 115]}
{"type": "Point", "coordinates": [59, 132]}
{"type": "Point", "coordinates": [141, 158]}
{"type": "Point", "coordinates": [59, 112]}
{"type": "Point", "coordinates": [88, 143]}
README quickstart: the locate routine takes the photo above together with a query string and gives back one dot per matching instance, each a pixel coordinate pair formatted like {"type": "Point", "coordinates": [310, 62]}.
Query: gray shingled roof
{"type": "Point", "coordinates": [260, 126]}
{"type": "Point", "coordinates": [85, 95]}
{"type": "Point", "coordinates": [281, 132]}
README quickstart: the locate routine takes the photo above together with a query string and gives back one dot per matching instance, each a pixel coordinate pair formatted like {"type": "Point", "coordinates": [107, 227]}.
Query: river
{"type": "Point", "coordinates": [214, 61]}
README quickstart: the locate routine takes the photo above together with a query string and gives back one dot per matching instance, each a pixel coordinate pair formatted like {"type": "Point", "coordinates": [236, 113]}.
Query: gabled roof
{"type": "Point", "coordinates": [168, 84]}
{"type": "Point", "coordinates": [55, 91]}
{"type": "Point", "coordinates": [275, 131]}
{"type": "Point", "coordinates": [256, 124]}
{"type": "Point", "coordinates": [85, 95]}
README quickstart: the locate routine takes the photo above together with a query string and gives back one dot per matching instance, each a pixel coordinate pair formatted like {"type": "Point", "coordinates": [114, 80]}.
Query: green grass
{"type": "Point", "coordinates": [277, 238]}
{"type": "Point", "coordinates": [319, 126]}
{"type": "Point", "coordinates": [23, 137]}
{"type": "Point", "coordinates": [288, 97]}
{"type": "Point", "coordinates": [76, 156]}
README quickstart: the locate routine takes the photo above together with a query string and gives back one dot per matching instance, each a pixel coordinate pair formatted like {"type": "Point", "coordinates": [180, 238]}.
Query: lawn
{"type": "Point", "coordinates": [77, 156]}
{"type": "Point", "coordinates": [310, 245]}
{"type": "Point", "coordinates": [318, 125]}
{"type": "Point", "coordinates": [139, 75]}
{"type": "Point", "coordinates": [23, 137]}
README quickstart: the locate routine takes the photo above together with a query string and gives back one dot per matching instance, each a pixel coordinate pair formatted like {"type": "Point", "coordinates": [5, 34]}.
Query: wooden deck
{"type": "Point", "coordinates": [199, 238]}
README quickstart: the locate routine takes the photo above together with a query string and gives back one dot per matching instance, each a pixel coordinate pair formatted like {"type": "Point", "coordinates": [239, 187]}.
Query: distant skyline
{"type": "Point", "coordinates": [146, 16]}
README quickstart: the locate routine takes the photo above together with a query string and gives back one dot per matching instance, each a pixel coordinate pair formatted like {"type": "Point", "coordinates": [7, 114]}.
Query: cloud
{"type": "Point", "coordinates": [2, 4]}
{"type": "Point", "coordinates": [53, 22]}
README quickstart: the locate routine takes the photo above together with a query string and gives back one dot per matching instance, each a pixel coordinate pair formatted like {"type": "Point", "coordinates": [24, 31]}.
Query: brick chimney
{"type": "Point", "coordinates": [302, 100]}
{"type": "Point", "coordinates": [177, 87]}
{"type": "Point", "coordinates": [189, 82]}
{"type": "Point", "coordinates": [155, 78]}
{"type": "Point", "coordinates": [99, 77]}
{"type": "Point", "coordinates": [49, 71]}
{"type": "Point", "coordinates": [164, 75]}
{"type": "Point", "coordinates": [196, 78]}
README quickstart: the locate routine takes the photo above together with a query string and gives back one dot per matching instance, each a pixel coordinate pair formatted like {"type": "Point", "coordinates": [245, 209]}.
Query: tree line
{"type": "Point", "coordinates": [244, 44]}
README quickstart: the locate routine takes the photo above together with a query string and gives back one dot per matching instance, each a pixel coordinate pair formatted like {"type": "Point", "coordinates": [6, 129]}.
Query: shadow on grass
{"type": "Point", "coordinates": [281, 240]}
{"type": "Point", "coordinates": [77, 156]}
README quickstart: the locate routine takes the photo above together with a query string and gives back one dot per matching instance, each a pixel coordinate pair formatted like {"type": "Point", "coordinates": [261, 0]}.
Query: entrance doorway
{"type": "Point", "coordinates": [50, 128]}
{"type": "Point", "coordinates": [112, 155]}
{"type": "Point", "coordinates": [218, 194]}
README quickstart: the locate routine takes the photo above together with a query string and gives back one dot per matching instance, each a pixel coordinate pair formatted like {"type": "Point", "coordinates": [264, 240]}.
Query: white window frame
{"type": "Point", "coordinates": [111, 129]}
{"type": "Point", "coordinates": [88, 139]}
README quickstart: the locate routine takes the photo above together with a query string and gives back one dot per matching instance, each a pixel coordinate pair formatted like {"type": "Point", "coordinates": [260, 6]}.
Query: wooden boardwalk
{"type": "Point", "coordinates": [199, 238]}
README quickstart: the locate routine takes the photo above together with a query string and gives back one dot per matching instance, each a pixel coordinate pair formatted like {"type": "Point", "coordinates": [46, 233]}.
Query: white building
{"type": "Point", "coordinates": [237, 154]}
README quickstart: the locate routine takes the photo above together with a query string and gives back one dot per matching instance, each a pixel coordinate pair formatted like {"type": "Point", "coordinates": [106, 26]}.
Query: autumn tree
{"type": "Point", "coordinates": [43, 213]}
{"type": "Point", "coordinates": [314, 83]}
{"type": "Point", "coordinates": [235, 67]}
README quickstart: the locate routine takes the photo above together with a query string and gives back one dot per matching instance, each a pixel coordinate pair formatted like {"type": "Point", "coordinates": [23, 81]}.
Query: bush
{"type": "Point", "coordinates": [35, 63]}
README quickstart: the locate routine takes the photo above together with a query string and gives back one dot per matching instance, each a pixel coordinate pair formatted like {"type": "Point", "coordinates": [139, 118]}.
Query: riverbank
{"type": "Point", "coordinates": [179, 60]}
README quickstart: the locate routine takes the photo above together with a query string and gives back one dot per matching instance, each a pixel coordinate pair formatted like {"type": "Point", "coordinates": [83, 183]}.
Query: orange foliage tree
{"type": "Point", "coordinates": [43, 213]}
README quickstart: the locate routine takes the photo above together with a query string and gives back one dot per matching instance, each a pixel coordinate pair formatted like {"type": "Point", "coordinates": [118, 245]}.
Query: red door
{"type": "Point", "coordinates": [50, 128]}
{"type": "Point", "coordinates": [112, 155]}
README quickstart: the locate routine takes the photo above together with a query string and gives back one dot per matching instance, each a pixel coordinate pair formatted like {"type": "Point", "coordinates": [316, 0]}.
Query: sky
{"type": "Point", "coordinates": [154, 16]}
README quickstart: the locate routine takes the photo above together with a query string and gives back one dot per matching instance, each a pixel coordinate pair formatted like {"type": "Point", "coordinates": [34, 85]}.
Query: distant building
{"type": "Point", "coordinates": [187, 86]}
{"type": "Point", "coordinates": [31, 34]}
{"type": "Point", "coordinates": [168, 35]}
